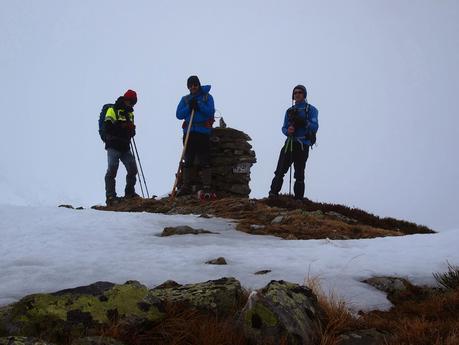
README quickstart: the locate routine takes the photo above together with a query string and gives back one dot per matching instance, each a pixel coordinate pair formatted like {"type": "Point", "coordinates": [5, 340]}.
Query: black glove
{"type": "Point", "coordinates": [292, 112]}
{"type": "Point", "coordinates": [194, 104]}
{"type": "Point", "coordinates": [294, 118]}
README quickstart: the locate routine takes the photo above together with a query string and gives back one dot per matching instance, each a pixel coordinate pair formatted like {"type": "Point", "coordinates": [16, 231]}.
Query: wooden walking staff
{"type": "Point", "coordinates": [181, 157]}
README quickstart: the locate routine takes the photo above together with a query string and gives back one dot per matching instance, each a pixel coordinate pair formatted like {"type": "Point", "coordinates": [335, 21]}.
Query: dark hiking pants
{"type": "Point", "coordinates": [127, 158]}
{"type": "Point", "coordinates": [298, 155]}
{"type": "Point", "coordinates": [197, 153]}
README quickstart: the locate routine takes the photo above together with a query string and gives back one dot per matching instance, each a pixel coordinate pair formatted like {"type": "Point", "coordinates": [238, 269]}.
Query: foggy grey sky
{"type": "Point", "coordinates": [383, 74]}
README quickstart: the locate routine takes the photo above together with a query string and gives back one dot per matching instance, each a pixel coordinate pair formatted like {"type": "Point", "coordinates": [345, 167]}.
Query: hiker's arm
{"type": "Point", "coordinates": [110, 120]}
{"type": "Point", "coordinates": [313, 120]}
{"type": "Point", "coordinates": [286, 125]}
{"type": "Point", "coordinates": [183, 111]}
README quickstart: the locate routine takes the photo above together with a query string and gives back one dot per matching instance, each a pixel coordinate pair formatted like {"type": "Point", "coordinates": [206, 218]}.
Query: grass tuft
{"type": "Point", "coordinates": [448, 280]}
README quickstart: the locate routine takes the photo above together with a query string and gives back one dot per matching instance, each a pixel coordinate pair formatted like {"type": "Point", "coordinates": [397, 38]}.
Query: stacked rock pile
{"type": "Point", "coordinates": [231, 158]}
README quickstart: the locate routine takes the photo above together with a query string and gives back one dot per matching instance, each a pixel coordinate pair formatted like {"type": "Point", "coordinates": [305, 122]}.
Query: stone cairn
{"type": "Point", "coordinates": [231, 158]}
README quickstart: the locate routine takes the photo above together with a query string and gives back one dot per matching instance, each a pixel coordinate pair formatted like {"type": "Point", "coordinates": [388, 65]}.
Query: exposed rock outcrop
{"type": "Point", "coordinates": [282, 312]}
{"type": "Point", "coordinates": [221, 296]}
{"type": "Point", "coordinates": [77, 312]}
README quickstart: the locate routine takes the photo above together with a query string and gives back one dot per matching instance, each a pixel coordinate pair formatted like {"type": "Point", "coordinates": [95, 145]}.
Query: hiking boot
{"type": "Point", "coordinates": [132, 196]}
{"type": "Point", "coordinates": [112, 200]}
{"type": "Point", "coordinates": [273, 196]}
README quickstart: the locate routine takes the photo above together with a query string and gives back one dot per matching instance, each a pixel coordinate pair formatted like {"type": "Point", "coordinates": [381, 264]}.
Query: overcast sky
{"type": "Point", "coordinates": [383, 74]}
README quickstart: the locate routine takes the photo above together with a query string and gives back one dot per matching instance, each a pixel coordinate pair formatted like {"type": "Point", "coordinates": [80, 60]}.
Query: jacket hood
{"type": "Point", "coordinates": [204, 89]}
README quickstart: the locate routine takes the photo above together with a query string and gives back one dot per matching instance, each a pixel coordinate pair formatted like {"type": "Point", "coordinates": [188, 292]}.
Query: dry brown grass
{"type": "Point", "coordinates": [182, 325]}
{"type": "Point", "coordinates": [337, 317]}
{"type": "Point", "coordinates": [422, 318]}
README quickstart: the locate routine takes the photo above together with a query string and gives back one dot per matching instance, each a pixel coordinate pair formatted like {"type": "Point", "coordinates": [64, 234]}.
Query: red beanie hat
{"type": "Point", "coordinates": [131, 95]}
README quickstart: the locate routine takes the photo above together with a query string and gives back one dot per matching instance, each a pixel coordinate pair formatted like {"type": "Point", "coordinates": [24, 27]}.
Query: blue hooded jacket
{"type": "Point", "coordinates": [309, 114]}
{"type": "Point", "coordinates": [204, 117]}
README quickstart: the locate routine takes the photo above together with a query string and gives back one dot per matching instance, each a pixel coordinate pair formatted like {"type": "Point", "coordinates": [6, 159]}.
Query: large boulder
{"type": "Point", "coordinates": [220, 297]}
{"type": "Point", "coordinates": [282, 313]}
{"type": "Point", "coordinates": [78, 312]}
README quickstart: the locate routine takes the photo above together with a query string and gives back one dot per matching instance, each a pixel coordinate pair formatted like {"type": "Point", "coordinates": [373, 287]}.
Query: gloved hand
{"type": "Point", "coordinates": [194, 104]}
{"type": "Point", "coordinates": [290, 130]}
{"type": "Point", "coordinates": [130, 128]}
{"type": "Point", "coordinates": [292, 112]}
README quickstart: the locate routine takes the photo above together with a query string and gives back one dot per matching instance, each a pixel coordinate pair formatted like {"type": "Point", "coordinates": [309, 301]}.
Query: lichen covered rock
{"type": "Point", "coordinates": [77, 312]}
{"type": "Point", "coordinates": [282, 312]}
{"type": "Point", "coordinates": [220, 296]}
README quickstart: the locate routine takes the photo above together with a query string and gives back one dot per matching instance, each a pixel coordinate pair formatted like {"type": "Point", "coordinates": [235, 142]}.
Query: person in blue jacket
{"type": "Point", "coordinates": [300, 127]}
{"type": "Point", "coordinates": [197, 152]}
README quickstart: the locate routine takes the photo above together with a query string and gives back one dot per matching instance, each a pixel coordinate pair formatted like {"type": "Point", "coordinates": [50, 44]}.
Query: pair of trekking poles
{"type": "Point", "coordinates": [140, 173]}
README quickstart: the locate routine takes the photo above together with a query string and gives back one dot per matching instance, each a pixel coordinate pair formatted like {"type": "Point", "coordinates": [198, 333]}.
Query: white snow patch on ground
{"type": "Point", "coordinates": [49, 249]}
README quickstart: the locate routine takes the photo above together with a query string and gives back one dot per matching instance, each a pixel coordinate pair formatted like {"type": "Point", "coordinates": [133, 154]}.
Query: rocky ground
{"type": "Point", "coordinates": [282, 217]}
{"type": "Point", "coordinates": [222, 312]}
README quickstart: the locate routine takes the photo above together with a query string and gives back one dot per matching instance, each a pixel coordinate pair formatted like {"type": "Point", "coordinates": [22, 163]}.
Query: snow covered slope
{"type": "Point", "coordinates": [47, 249]}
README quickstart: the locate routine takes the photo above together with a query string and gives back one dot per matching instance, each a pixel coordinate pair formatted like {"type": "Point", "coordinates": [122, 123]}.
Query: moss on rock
{"type": "Point", "coordinates": [219, 296]}
{"type": "Point", "coordinates": [69, 314]}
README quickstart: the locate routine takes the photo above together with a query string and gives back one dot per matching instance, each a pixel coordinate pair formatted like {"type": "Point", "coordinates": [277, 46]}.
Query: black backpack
{"type": "Point", "coordinates": [102, 120]}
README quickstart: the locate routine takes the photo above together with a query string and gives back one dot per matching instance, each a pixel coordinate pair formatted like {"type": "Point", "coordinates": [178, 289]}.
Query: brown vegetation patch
{"type": "Point", "coordinates": [299, 220]}
{"type": "Point", "coordinates": [422, 317]}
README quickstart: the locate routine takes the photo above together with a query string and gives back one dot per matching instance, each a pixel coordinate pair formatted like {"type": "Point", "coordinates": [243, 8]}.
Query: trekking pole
{"type": "Point", "coordinates": [181, 156]}
{"type": "Point", "coordinates": [291, 162]}
{"type": "Point", "coordinates": [140, 164]}
{"type": "Point", "coordinates": [138, 173]}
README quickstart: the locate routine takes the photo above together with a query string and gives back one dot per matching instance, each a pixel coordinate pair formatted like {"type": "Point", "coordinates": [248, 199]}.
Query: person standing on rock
{"type": "Point", "coordinates": [119, 129]}
{"type": "Point", "coordinates": [197, 152]}
{"type": "Point", "coordinates": [300, 127]}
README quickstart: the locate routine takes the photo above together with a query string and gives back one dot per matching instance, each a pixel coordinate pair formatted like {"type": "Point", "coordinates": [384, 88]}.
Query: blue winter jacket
{"type": "Point", "coordinates": [310, 118]}
{"type": "Point", "coordinates": [204, 117]}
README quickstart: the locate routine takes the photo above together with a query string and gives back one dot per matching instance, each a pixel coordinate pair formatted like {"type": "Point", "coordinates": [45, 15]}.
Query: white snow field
{"type": "Point", "coordinates": [44, 249]}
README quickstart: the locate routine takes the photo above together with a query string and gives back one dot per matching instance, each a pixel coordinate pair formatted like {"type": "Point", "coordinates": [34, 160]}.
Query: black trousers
{"type": "Point", "coordinates": [298, 155]}
{"type": "Point", "coordinates": [198, 150]}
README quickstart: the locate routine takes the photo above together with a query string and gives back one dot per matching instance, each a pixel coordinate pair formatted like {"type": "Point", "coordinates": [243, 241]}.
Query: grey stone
{"type": "Point", "coordinates": [167, 284]}
{"type": "Point", "coordinates": [277, 220]}
{"type": "Point", "coordinates": [282, 310]}
{"type": "Point", "coordinates": [183, 230]}
{"type": "Point", "coordinates": [219, 297]}
{"type": "Point", "coordinates": [389, 285]}
{"type": "Point", "coordinates": [218, 261]}
{"type": "Point", "coordinates": [364, 337]}
{"type": "Point", "coordinates": [341, 217]}
{"type": "Point", "coordinates": [262, 272]}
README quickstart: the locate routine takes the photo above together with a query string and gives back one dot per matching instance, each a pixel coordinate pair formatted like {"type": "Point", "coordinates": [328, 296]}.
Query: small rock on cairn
{"type": "Point", "coordinates": [231, 158]}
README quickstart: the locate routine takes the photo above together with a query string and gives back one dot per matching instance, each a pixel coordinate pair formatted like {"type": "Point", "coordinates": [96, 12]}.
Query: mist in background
{"type": "Point", "coordinates": [383, 74]}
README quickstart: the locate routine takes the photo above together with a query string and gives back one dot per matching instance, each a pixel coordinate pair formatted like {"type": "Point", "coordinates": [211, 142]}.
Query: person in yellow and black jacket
{"type": "Point", "coordinates": [119, 129]}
